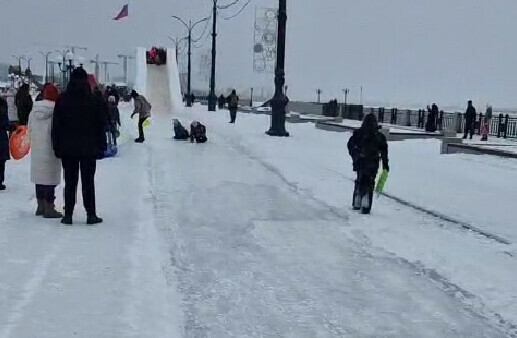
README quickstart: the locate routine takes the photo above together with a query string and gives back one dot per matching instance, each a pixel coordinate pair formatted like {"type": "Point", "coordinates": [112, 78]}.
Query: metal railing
{"type": "Point", "coordinates": [499, 126]}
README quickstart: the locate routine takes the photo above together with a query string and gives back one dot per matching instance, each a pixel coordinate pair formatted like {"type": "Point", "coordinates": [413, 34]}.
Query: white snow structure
{"type": "Point", "coordinates": [159, 84]}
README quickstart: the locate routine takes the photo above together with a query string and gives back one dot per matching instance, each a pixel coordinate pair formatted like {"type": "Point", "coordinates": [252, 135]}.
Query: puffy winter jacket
{"type": "Point", "coordinates": [45, 166]}
{"type": "Point", "coordinates": [142, 107]}
{"type": "Point", "coordinates": [79, 127]}
{"type": "Point", "coordinates": [366, 149]}
{"type": "Point", "coordinates": [24, 104]}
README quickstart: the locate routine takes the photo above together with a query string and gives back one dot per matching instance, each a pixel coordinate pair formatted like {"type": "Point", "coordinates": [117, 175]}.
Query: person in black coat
{"type": "Point", "coordinates": [366, 147]}
{"type": "Point", "coordinates": [24, 104]}
{"type": "Point", "coordinates": [221, 101]}
{"type": "Point", "coordinates": [4, 140]}
{"type": "Point", "coordinates": [180, 133]}
{"type": "Point", "coordinates": [79, 139]}
{"type": "Point", "coordinates": [197, 132]}
{"type": "Point", "coordinates": [470, 119]}
{"type": "Point", "coordinates": [233, 105]}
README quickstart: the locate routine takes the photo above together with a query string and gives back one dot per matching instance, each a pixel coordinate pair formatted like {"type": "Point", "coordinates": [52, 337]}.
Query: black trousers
{"type": "Point", "coordinates": [141, 128]}
{"type": "Point", "coordinates": [233, 115]}
{"type": "Point", "coordinates": [2, 171]}
{"type": "Point", "coordinates": [46, 193]}
{"type": "Point", "coordinates": [469, 128]}
{"type": "Point", "coordinates": [71, 167]}
{"type": "Point", "coordinates": [363, 190]}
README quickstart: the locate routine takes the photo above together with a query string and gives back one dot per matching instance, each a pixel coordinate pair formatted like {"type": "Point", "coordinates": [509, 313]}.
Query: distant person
{"type": "Point", "coordinates": [233, 105]}
{"type": "Point", "coordinates": [221, 101]}
{"type": "Point", "coordinates": [4, 140]}
{"type": "Point", "coordinates": [24, 104]}
{"type": "Point", "coordinates": [192, 98]}
{"type": "Point", "coordinates": [197, 132]}
{"type": "Point", "coordinates": [12, 109]}
{"type": "Point", "coordinates": [366, 147]}
{"type": "Point", "coordinates": [45, 166]}
{"type": "Point", "coordinates": [114, 92]}
{"type": "Point", "coordinates": [143, 110]}
{"type": "Point", "coordinates": [79, 139]}
{"type": "Point", "coordinates": [432, 118]}
{"type": "Point", "coordinates": [180, 133]}
{"type": "Point", "coordinates": [470, 119]}
{"type": "Point", "coordinates": [113, 120]}
{"type": "Point", "coordinates": [485, 124]}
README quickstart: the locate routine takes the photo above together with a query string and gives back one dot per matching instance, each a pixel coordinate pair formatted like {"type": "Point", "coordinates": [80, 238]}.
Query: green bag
{"type": "Point", "coordinates": [381, 182]}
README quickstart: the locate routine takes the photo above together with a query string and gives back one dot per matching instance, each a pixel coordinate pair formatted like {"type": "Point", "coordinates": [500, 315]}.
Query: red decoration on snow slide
{"type": "Point", "coordinates": [20, 143]}
{"type": "Point", "coordinates": [124, 13]}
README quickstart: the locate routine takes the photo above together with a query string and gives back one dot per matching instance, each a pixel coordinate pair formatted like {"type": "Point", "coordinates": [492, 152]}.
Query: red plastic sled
{"type": "Point", "coordinates": [20, 143]}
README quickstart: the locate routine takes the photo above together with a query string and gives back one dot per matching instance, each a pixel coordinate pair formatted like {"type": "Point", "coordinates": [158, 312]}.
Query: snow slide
{"type": "Point", "coordinates": [159, 84]}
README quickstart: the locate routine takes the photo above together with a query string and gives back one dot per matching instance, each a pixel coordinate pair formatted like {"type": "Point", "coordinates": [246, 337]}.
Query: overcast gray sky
{"type": "Point", "coordinates": [401, 51]}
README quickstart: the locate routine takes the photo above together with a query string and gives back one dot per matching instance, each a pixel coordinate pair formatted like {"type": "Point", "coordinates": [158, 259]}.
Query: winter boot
{"type": "Point", "coordinates": [366, 204]}
{"type": "Point", "coordinates": [67, 220]}
{"type": "Point", "coordinates": [93, 219]}
{"type": "Point", "coordinates": [40, 210]}
{"type": "Point", "coordinates": [2, 187]}
{"type": "Point", "coordinates": [139, 140]}
{"type": "Point", "coordinates": [50, 211]}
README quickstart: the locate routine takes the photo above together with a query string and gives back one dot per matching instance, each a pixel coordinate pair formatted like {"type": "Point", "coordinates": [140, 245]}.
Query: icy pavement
{"type": "Point", "coordinates": [244, 236]}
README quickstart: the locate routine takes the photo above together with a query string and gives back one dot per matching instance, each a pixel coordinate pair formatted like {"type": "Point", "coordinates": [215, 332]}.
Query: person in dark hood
{"type": "Point", "coordinates": [197, 132]}
{"type": "Point", "coordinates": [221, 101]}
{"type": "Point", "coordinates": [470, 119]}
{"type": "Point", "coordinates": [4, 140]}
{"type": "Point", "coordinates": [233, 105]}
{"type": "Point", "coordinates": [366, 146]}
{"type": "Point", "coordinates": [79, 139]}
{"type": "Point", "coordinates": [180, 133]}
{"type": "Point", "coordinates": [24, 104]}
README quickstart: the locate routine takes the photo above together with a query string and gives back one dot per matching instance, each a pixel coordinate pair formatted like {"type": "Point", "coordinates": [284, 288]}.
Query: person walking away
{"type": "Point", "coordinates": [24, 104]}
{"type": "Point", "coordinates": [79, 139]}
{"type": "Point", "coordinates": [180, 133]}
{"type": "Point", "coordinates": [12, 110]}
{"type": "Point", "coordinates": [221, 101]}
{"type": "Point", "coordinates": [366, 146]}
{"type": "Point", "coordinates": [233, 105]}
{"type": "Point", "coordinates": [470, 119]}
{"type": "Point", "coordinates": [4, 140]}
{"type": "Point", "coordinates": [113, 118]}
{"type": "Point", "coordinates": [45, 166]}
{"type": "Point", "coordinates": [143, 110]}
{"type": "Point", "coordinates": [197, 132]}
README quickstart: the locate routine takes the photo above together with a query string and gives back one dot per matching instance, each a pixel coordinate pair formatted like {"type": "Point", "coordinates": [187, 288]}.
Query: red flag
{"type": "Point", "coordinates": [124, 13]}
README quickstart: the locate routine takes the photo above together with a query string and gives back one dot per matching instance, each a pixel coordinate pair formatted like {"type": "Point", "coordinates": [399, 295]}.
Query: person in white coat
{"type": "Point", "coordinates": [45, 166]}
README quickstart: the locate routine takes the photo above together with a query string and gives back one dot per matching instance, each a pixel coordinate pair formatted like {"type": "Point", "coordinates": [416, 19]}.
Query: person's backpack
{"type": "Point", "coordinates": [234, 101]}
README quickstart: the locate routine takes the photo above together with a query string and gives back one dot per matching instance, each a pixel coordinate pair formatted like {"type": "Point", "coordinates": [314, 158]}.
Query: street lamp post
{"type": "Point", "coordinates": [46, 56]}
{"type": "Point", "coordinates": [66, 69]}
{"type": "Point", "coordinates": [212, 98]}
{"type": "Point", "coordinates": [189, 27]}
{"type": "Point", "coordinates": [318, 92]}
{"type": "Point", "coordinates": [279, 101]}
{"type": "Point", "coordinates": [251, 99]}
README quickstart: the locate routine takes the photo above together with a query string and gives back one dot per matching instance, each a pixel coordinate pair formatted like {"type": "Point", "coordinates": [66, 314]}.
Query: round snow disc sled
{"type": "Point", "coordinates": [20, 143]}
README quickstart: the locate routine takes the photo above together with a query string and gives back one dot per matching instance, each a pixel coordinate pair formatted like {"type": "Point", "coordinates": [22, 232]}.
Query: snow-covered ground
{"type": "Point", "coordinates": [250, 235]}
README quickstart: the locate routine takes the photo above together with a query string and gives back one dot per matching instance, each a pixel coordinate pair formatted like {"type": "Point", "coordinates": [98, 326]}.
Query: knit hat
{"type": "Point", "coordinates": [79, 74]}
{"type": "Point", "coordinates": [50, 93]}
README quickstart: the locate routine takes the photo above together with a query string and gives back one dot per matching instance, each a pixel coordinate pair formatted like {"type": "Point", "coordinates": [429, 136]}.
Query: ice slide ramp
{"type": "Point", "coordinates": [159, 84]}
